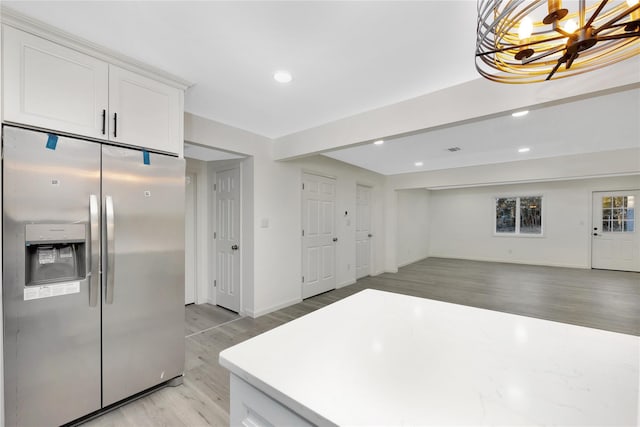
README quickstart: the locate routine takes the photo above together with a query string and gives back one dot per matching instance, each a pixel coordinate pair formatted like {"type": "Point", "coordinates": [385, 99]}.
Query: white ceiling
{"type": "Point", "coordinates": [607, 122]}
{"type": "Point", "coordinates": [206, 154]}
{"type": "Point", "coordinates": [345, 57]}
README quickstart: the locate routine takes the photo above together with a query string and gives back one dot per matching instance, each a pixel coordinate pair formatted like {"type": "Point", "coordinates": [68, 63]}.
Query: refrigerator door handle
{"type": "Point", "coordinates": [110, 267]}
{"type": "Point", "coordinates": [94, 242]}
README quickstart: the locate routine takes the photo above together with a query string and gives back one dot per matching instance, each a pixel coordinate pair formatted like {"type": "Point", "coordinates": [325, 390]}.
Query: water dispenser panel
{"type": "Point", "coordinates": [54, 233]}
{"type": "Point", "coordinates": [55, 253]}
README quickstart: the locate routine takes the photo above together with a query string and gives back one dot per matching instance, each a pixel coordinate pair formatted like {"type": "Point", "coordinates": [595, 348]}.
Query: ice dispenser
{"type": "Point", "coordinates": [55, 253]}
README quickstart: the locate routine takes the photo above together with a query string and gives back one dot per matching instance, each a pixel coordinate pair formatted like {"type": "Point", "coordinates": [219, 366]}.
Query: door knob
{"type": "Point", "coordinates": [595, 234]}
{"type": "Point", "coordinates": [370, 235]}
{"type": "Point", "coordinates": [335, 239]}
{"type": "Point", "coordinates": [234, 247]}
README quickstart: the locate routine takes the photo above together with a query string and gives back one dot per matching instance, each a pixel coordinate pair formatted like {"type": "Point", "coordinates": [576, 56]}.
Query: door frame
{"type": "Point", "coordinates": [371, 229]}
{"type": "Point", "coordinates": [216, 169]}
{"type": "Point", "coordinates": [201, 236]}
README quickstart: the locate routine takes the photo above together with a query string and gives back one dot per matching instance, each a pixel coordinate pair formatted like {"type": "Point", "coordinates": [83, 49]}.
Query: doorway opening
{"type": "Point", "coordinates": [208, 217]}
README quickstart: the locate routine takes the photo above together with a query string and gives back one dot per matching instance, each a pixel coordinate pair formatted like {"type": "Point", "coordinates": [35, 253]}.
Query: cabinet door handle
{"type": "Point", "coordinates": [115, 125]}
{"type": "Point", "coordinates": [104, 121]}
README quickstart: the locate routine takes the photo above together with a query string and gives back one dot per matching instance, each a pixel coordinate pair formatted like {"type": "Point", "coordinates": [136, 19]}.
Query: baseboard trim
{"type": "Point", "coordinates": [263, 311]}
{"type": "Point", "coordinates": [505, 261]}
{"type": "Point", "coordinates": [347, 283]}
{"type": "Point", "coordinates": [411, 262]}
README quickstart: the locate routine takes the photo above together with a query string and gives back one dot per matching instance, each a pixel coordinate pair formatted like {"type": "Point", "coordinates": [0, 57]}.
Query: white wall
{"type": "Point", "coordinates": [277, 262]}
{"type": "Point", "coordinates": [347, 179]}
{"type": "Point", "coordinates": [413, 234]}
{"type": "Point", "coordinates": [278, 200]}
{"type": "Point", "coordinates": [562, 168]}
{"type": "Point", "coordinates": [462, 221]}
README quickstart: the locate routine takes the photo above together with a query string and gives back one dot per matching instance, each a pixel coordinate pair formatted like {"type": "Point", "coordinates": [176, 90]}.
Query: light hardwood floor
{"type": "Point", "coordinates": [599, 299]}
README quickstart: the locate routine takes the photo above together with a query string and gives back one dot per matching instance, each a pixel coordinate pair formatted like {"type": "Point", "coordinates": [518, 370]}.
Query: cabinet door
{"type": "Point", "coordinates": [144, 112]}
{"type": "Point", "coordinates": [51, 86]}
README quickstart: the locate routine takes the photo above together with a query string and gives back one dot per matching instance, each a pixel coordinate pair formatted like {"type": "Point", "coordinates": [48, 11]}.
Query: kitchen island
{"type": "Point", "coordinates": [379, 358]}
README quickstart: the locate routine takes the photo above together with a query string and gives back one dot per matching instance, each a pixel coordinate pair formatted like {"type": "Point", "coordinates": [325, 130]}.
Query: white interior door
{"type": "Point", "coordinates": [190, 247]}
{"type": "Point", "coordinates": [228, 239]}
{"type": "Point", "coordinates": [363, 231]}
{"type": "Point", "coordinates": [615, 237]}
{"type": "Point", "coordinates": [318, 235]}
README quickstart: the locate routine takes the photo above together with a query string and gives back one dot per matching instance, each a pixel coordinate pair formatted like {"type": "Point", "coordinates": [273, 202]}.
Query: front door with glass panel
{"type": "Point", "coordinates": [615, 237]}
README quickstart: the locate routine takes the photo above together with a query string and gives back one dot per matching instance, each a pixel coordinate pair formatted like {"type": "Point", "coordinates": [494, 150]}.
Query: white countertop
{"type": "Point", "coordinates": [378, 358]}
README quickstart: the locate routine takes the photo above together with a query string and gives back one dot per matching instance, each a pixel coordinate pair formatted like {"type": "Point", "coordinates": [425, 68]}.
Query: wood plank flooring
{"type": "Point", "coordinates": [607, 300]}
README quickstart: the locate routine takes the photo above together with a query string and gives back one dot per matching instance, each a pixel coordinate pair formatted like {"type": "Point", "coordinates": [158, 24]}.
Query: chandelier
{"type": "Point", "coordinates": [530, 41]}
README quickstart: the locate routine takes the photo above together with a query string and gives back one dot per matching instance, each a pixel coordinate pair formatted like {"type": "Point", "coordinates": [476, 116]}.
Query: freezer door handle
{"type": "Point", "coordinates": [110, 261]}
{"type": "Point", "coordinates": [94, 242]}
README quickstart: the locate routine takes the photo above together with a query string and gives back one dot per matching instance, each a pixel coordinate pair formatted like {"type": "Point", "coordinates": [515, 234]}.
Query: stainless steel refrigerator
{"type": "Point", "coordinates": [93, 275]}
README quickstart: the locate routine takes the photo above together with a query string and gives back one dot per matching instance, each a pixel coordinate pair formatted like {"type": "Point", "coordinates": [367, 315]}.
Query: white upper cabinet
{"type": "Point", "coordinates": [53, 87]}
{"type": "Point", "coordinates": [143, 112]}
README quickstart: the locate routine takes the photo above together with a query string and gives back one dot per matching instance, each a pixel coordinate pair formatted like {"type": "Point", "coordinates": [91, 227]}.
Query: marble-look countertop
{"type": "Point", "coordinates": [379, 358]}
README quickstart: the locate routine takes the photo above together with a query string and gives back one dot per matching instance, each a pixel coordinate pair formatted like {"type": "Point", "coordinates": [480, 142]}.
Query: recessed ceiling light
{"type": "Point", "coordinates": [524, 150]}
{"type": "Point", "coordinates": [520, 113]}
{"type": "Point", "coordinates": [282, 76]}
{"type": "Point", "coordinates": [379, 142]}
{"type": "Point", "coordinates": [418, 163]}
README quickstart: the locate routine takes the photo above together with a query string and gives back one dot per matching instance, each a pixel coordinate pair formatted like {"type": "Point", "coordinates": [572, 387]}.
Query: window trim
{"type": "Point", "coordinates": [517, 232]}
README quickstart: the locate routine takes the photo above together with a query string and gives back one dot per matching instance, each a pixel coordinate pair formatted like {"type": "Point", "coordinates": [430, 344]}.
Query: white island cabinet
{"type": "Point", "coordinates": [55, 87]}
{"type": "Point", "coordinates": [385, 359]}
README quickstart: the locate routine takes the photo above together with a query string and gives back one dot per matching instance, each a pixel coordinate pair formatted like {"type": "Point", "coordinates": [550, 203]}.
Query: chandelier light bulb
{"type": "Point", "coordinates": [525, 29]}
{"type": "Point", "coordinates": [631, 3]}
{"type": "Point", "coordinates": [570, 26]}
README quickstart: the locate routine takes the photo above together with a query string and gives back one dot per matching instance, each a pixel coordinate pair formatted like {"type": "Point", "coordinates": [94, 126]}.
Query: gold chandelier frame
{"type": "Point", "coordinates": [605, 33]}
